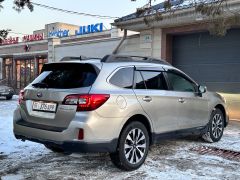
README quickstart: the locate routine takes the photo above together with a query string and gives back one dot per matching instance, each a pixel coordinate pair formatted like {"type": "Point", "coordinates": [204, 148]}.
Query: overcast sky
{"type": "Point", "coordinates": [26, 21]}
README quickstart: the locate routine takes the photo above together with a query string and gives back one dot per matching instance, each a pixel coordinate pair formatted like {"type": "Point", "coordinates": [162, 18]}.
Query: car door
{"type": "Point", "coordinates": [192, 107]}
{"type": "Point", "coordinates": [152, 93]}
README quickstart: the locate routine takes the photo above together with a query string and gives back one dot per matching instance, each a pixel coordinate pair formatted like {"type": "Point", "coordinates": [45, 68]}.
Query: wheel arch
{"type": "Point", "coordinates": [144, 120]}
{"type": "Point", "coordinates": [221, 107]}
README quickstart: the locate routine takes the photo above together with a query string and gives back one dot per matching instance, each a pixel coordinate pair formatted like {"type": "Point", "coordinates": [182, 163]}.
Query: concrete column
{"type": "Point", "coordinates": [14, 69]}
{"type": "Point", "coordinates": [146, 39]}
{"type": "Point", "coordinates": [1, 68]}
{"type": "Point", "coordinates": [166, 47]}
{"type": "Point", "coordinates": [156, 43]}
{"type": "Point", "coordinates": [150, 42]}
{"type": "Point", "coordinates": [51, 53]}
{"type": "Point", "coordinates": [35, 66]}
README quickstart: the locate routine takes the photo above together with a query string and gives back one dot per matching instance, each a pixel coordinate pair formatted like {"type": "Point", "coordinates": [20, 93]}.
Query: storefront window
{"type": "Point", "coordinates": [41, 62]}
{"type": "Point", "coordinates": [8, 63]}
{"type": "Point", "coordinates": [26, 71]}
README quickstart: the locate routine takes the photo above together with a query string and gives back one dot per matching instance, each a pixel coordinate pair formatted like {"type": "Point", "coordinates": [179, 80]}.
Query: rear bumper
{"type": "Point", "coordinates": [74, 146]}
{"type": "Point", "coordinates": [97, 137]}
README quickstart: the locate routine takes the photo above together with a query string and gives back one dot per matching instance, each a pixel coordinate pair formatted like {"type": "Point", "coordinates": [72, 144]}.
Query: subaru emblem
{"type": "Point", "coordinates": [39, 94]}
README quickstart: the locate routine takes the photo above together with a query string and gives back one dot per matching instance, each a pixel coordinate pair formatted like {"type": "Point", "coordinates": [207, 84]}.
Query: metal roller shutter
{"type": "Point", "coordinates": [210, 60]}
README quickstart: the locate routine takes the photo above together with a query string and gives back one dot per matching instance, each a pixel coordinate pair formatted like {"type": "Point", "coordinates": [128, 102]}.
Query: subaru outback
{"type": "Point", "coordinates": [117, 104]}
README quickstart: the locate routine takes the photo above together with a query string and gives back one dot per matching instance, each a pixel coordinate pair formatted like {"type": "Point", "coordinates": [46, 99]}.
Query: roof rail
{"type": "Point", "coordinates": [80, 58]}
{"type": "Point", "coordinates": [126, 58]}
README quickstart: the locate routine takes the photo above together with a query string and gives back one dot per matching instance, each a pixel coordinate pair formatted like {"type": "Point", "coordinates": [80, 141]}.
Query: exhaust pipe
{"type": "Point", "coordinates": [120, 43]}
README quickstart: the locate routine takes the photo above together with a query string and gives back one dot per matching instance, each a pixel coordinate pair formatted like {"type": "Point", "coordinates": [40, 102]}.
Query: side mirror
{"type": "Point", "coordinates": [202, 89]}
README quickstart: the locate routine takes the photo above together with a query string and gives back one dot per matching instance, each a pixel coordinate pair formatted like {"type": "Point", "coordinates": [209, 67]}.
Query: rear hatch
{"type": "Point", "coordinates": [43, 105]}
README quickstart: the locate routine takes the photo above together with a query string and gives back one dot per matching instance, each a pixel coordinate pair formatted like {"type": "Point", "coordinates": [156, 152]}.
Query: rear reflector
{"type": "Point", "coordinates": [86, 102]}
{"type": "Point", "coordinates": [80, 134]}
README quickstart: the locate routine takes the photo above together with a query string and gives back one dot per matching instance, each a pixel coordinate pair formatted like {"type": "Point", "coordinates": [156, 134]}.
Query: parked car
{"type": "Point", "coordinates": [6, 91]}
{"type": "Point", "coordinates": [118, 104]}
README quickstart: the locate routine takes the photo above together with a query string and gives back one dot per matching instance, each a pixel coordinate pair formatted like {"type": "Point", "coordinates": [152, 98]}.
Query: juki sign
{"type": "Point", "coordinates": [89, 29]}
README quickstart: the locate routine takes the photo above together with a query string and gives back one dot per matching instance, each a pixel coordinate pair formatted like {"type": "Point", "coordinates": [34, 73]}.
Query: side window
{"type": "Point", "coordinates": [123, 78]}
{"type": "Point", "coordinates": [140, 84]}
{"type": "Point", "coordinates": [179, 83]}
{"type": "Point", "coordinates": [152, 80]}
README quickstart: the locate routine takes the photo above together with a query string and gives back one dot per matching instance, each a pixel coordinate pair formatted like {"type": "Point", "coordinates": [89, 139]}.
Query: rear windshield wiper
{"type": "Point", "coordinates": [40, 85]}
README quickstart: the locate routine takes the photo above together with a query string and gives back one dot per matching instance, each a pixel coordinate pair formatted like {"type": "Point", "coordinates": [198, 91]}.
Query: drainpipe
{"type": "Point", "coordinates": [120, 43]}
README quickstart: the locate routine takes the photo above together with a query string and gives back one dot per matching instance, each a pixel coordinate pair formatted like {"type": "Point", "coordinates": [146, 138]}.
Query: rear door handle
{"type": "Point", "coordinates": [181, 100]}
{"type": "Point", "coordinates": [147, 99]}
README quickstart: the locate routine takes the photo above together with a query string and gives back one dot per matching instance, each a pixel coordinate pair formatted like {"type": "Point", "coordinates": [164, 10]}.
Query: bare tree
{"type": "Point", "coordinates": [212, 9]}
{"type": "Point", "coordinates": [18, 5]}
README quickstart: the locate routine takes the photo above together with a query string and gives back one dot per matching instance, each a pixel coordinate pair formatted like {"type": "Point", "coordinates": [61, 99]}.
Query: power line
{"type": "Point", "coordinates": [73, 12]}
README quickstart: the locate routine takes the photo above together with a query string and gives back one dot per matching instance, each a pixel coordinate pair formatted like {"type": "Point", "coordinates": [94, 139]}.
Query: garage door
{"type": "Point", "coordinates": [210, 60]}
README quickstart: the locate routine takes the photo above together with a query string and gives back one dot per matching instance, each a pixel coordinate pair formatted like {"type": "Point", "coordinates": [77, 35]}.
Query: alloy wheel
{"type": "Point", "coordinates": [217, 125]}
{"type": "Point", "coordinates": [135, 146]}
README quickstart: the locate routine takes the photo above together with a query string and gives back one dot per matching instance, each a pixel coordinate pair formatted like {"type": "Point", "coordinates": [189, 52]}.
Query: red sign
{"type": "Point", "coordinates": [10, 40]}
{"type": "Point", "coordinates": [33, 37]}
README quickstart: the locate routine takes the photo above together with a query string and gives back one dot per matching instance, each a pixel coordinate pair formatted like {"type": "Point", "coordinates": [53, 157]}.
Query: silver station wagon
{"type": "Point", "coordinates": [117, 104]}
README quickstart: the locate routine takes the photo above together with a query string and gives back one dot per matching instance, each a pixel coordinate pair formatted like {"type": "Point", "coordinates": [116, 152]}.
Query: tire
{"type": "Point", "coordinates": [9, 97]}
{"type": "Point", "coordinates": [132, 150]}
{"type": "Point", "coordinates": [215, 127]}
{"type": "Point", "coordinates": [55, 149]}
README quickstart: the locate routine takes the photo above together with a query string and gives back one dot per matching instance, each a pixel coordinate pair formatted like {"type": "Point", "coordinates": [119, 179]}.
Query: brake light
{"type": "Point", "coordinates": [21, 96]}
{"type": "Point", "coordinates": [86, 102]}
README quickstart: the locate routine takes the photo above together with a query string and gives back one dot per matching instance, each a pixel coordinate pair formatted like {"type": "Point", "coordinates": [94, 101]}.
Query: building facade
{"type": "Point", "coordinates": [184, 39]}
{"type": "Point", "coordinates": [22, 58]}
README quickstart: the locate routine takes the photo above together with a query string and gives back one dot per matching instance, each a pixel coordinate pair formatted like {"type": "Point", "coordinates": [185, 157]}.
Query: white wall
{"type": "Point", "coordinates": [98, 48]}
{"type": "Point", "coordinates": [148, 43]}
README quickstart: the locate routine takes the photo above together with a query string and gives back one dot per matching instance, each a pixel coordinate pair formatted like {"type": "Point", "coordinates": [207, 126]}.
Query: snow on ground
{"type": "Point", "coordinates": [167, 160]}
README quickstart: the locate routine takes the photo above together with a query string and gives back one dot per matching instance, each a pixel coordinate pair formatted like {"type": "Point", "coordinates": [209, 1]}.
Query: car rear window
{"type": "Point", "coordinates": [66, 76]}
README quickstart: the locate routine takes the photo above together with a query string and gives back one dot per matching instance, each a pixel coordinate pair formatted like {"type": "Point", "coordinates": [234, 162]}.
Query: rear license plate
{"type": "Point", "coordinates": [44, 106]}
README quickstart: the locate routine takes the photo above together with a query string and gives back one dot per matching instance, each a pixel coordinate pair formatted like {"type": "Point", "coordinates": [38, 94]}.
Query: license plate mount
{"type": "Point", "coordinates": [44, 106]}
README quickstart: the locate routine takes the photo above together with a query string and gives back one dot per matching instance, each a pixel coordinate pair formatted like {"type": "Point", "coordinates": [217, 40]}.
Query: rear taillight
{"type": "Point", "coordinates": [86, 102]}
{"type": "Point", "coordinates": [21, 96]}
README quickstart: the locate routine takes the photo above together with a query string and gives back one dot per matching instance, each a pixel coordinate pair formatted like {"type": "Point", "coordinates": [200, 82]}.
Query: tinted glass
{"type": "Point", "coordinates": [66, 76]}
{"type": "Point", "coordinates": [154, 80]}
{"type": "Point", "coordinates": [179, 83]}
{"type": "Point", "coordinates": [139, 81]}
{"type": "Point", "coordinates": [123, 78]}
